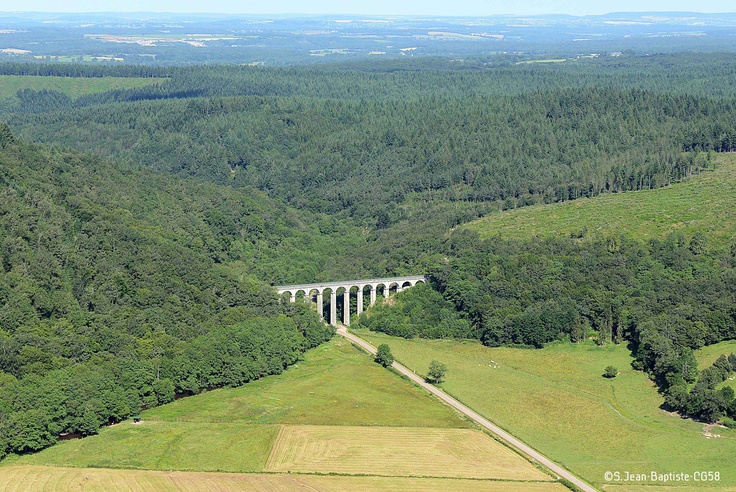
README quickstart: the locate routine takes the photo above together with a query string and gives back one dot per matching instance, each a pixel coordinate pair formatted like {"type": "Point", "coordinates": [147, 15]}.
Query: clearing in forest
{"type": "Point", "coordinates": [705, 202]}
{"type": "Point", "coordinates": [706, 356]}
{"type": "Point", "coordinates": [71, 86]}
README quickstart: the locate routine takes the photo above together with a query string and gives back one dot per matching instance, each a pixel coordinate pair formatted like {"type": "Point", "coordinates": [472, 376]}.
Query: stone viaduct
{"type": "Point", "coordinates": [317, 291]}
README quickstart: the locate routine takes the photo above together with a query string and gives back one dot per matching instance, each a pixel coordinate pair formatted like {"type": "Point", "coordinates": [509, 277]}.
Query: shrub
{"type": "Point", "coordinates": [610, 372]}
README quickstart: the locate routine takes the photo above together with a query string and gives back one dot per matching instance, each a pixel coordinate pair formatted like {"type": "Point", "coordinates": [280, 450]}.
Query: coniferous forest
{"type": "Point", "coordinates": [141, 229]}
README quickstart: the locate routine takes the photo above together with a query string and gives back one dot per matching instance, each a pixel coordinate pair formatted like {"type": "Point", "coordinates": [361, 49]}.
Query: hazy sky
{"type": "Point", "coordinates": [434, 7]}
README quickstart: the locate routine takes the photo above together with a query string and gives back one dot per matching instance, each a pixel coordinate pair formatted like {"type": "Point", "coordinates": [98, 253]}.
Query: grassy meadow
{"type": "Point", "coordinates": [705, 202]}
{"type": "Point", "coordinates": [336, 384]}
{"type": "Point", "coordinates": [708, 355]}
{"type": "Point", "coordinates": [234, 429]}
{"type": "Point", "coordinates": [153, 445]}
{"type": "Point", "coordinates": [71, 86]}
{"type": "Point", "coordinates": [556, 400]}
{"type": "Point", "coordinates": [336, 412]}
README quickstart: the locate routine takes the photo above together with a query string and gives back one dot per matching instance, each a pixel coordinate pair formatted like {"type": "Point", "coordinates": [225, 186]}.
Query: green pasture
{"type": "Point", "coordinates": [705, 202]}
{"type": "Point", "coordinates": [334, 385]}
{"type": "Point", "coordinates": [708, 355]}
{"type": "Point", "coordinates": [556, 400]}
{"type": "Point", "coordinates": [71, 86]}
{"type": "Point", "coordinates": [233, 429]}
{"type": "Point", "coordinates": [152, 445]}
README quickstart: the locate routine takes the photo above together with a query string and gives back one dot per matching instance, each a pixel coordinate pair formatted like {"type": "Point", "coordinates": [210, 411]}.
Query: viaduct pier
{"type": "Point", "coordinates": [316, 292]}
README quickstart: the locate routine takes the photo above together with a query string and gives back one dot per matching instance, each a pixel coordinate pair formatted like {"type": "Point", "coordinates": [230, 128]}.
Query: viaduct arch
{"type": "Point", "coordinates": [317, 291]}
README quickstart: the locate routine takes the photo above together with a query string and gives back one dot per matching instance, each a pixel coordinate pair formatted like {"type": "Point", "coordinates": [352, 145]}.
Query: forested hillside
{"type": "Point", "coordinates": [138, 245]}
{"type": "Point", "coordinates": [363, 158]}
{"type": "Point", "coordinates": [358, 143]}
{"type": "Point", "coordinates": [113, 294]}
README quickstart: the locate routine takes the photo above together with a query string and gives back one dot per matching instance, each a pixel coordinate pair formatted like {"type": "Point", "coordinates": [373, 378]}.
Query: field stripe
{"type": "Point", "coordinates": [277, 444]}
{"type": "Point", "coordinates": [30, 478]}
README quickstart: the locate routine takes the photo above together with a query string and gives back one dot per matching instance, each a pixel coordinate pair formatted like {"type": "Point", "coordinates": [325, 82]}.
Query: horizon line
{"type": "Point", "coordinates": [330, 14]}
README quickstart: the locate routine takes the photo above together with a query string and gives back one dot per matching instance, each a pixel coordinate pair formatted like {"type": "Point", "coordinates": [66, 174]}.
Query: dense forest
{"type": "Point", "coordinates": [113, 297]}
{"type": "Point", "coordinates": [360, 144]}
{"type": "Point", "coordinates": [138, 239]}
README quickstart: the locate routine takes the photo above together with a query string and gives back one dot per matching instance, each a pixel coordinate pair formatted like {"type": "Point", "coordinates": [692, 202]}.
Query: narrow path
{"type": "Point", "coordinates": [502, 434]}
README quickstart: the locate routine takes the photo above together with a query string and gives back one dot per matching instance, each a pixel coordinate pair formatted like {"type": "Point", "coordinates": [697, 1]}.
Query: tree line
{"type": "Point", "coordinates": [45, 69]}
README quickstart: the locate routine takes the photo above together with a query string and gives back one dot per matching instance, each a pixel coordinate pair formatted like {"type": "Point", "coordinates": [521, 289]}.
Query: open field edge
{"type": "Point", "coordinates": [23, 478]}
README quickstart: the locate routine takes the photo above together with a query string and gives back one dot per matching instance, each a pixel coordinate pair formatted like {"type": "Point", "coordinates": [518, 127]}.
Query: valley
{"type": "Point", "coordinates": [556, 223]}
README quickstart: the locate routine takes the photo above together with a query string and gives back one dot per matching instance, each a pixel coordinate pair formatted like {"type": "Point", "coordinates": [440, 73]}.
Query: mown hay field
{"type": "Point", "coordinates": [71, 86]}
{"type": "Point", "coordinates": [51, 479]}
{"type": "Point", "coordinates": [456, 453]}
{"type": "Point", "coordinates": [556, 400]}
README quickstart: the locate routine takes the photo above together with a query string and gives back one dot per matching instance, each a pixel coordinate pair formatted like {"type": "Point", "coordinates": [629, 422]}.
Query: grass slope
{"type": "Point", "coordinates": [155, 445]}
{"type": "Point", "coordinates": [232, 429]}
{"type": "Point", "coordinates": [71, 86]}
{"type": "Point", "coordinates": [556, 400]}
{"type": "Point", "coordinates": [51, 479]}
{"type": "Point", "coordinates": [705, 202]}
{"type": "Point", "coordinates": [336, 384]}
{"type": "Point", "coordinates": [708, 355]}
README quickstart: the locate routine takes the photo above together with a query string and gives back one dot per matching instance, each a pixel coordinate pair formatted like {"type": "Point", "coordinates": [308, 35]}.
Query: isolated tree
{"type": "Point", "coordinates": [384, 356]}
{"type": "Point", "coordinates": [437, 371]}
{"type": "Point", "coordinates": [610, 372]}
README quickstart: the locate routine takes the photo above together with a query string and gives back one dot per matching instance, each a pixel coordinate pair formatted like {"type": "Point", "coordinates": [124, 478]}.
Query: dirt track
{"type": "Point", "coordinates": [502, 434]}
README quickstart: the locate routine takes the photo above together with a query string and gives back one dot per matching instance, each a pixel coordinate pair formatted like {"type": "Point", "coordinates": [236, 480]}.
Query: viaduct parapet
{"type": "Point", "coordinates": [316, 292]}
